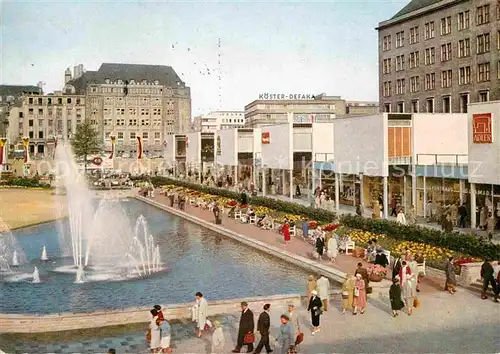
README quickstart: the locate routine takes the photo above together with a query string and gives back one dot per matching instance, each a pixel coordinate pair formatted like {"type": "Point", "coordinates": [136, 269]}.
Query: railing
{"type": "Point", "coordinates": [403, 160]}
{"type": "Point", "coordinates": [323, 157]}
{"type": "Point", "coordinates": [442, 159]}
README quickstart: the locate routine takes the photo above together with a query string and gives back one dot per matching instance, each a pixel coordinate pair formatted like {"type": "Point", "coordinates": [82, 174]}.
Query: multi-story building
{"type": "Point", "coordinates": [218, 120]}
{"type": "Point", "coordinates": [437, 56]}
{"type": "Point", "coordinates": [43, 118]}
{"type": "Point", "coordinates": [272, 109]}
{"type": "Point", "coordinates": [11, 96]}
{"type": "Point", "coordinates": [133, 100]}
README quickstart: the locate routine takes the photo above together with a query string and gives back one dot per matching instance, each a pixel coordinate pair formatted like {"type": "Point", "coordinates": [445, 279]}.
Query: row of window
{"type": "Point", "coordinates": [131, 82]}
{"type": "Point", "coordinates": [50, 112]}
{"type": "Point", "coordinates": [134, 135]}
{"type": "Point", "coordinates": [126, 90]}
{"type": "Point", "coordinates": [133, 111]}
{"type": "Point", "coordinates": [464, 76]}
{"type": "Point", "coordinates": [133, 122]}
{"type": "Point", "coordinates": [429, 105]}
{"type": "Point", "coordinates": [483, 45]}
{"type": "Point", "coordinates": [463, 23]}
{"type": "Point", "coordinates": [231, 120]}
{"type": "Point", "coordinates": [54, 100]}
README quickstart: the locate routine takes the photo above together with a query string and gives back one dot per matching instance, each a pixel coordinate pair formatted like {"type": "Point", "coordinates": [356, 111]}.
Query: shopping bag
{"type": "Point", "coordinates": [356, 291]}
{"type": "Point", "coordinates": [416, 303]}
{"type": "Point", "coordinates": [299, 339]}
{"type": "Point", "coordinates": [249, 338]}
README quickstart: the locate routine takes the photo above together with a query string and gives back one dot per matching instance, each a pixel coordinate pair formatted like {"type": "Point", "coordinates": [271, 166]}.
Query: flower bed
{"type": "Point", "coordinates": [394, 233]}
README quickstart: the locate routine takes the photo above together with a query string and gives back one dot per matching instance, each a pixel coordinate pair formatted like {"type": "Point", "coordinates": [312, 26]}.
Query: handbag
{"type": "Point", "coordinates": [299, 339]}
{"type": "Point", "coordinates": [249, 338]}
{"type": "Point", "coordinates": [356, 291]}
{"type": "Point", "coordinates": [318, 311]}
{"type": "Point", "coordinates": [148, 335]}
{"type": "Point", "coordinates": [345, 293]}
{"type": "Point", "coordinates": [416, 303]}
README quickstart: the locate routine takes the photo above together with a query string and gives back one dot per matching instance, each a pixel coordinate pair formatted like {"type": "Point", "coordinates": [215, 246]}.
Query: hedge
{"type": "Point", "coordinates": [25, 182]}
{"type": "Point", "coordinates": [455, 241]}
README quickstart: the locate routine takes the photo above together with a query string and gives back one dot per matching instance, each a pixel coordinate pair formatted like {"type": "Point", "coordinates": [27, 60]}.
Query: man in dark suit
{"type": "Point", "coordinates": [247, 326]}
{"type": "Point", "coordinates": [263, 325]}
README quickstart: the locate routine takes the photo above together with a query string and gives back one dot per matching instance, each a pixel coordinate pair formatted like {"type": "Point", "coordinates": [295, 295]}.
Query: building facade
{"type": "Point", "coordinates": [272, 109]}
{"type": "Point", "coordinates": [437, 56]}
{"type": "Point", "coordinates": [12, 96]}
{"type": "Point", "coordinates": [43, 118]}
{"type": "Point", "coordinates": [218, 120]}
{"type": "Point", "coordinates": [133, 100]}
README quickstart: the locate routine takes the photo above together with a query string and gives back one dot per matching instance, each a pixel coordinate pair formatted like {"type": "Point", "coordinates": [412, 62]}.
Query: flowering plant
{"type": "Point", "coordinates": [377, 270]}
{"type": "Point", "coordinates": [461, 261]}
{"type": "Point", "coordinates": [243, 206]}
{"type": "Point", "coordinates": [331, 227]}
{"type": "Point", "coordinates": [313, 224]}
{"type": "Point", "coordinates": [232, 203]}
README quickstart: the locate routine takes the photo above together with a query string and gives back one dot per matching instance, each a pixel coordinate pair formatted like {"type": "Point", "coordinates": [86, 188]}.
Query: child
{"type": "Point", "coordinates": [395, 297]}
{"type": "Point", "coordinates": [165, 336]}
{"type": "Point", "coordinates": [159, 311]}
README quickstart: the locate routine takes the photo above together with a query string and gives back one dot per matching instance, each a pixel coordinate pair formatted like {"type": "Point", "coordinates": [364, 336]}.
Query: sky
{"type": "Point", "coordinates": [276, 47]}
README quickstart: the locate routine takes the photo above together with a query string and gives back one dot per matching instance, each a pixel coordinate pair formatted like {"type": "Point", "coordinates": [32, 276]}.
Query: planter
{"type": "Point", "coordinates": [375, 278]}
{"type": "Point", "coordinates": [359, 252]}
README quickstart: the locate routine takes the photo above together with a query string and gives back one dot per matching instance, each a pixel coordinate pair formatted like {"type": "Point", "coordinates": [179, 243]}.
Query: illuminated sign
{"type": "Point", "coordinates": [481, 128]}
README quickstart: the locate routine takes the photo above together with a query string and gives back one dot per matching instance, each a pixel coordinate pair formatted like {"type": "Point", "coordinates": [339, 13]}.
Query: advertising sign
{"type": "Point", "coordinates": [481, 128]}
{"type": "Point", "coordinates": [266, 138]}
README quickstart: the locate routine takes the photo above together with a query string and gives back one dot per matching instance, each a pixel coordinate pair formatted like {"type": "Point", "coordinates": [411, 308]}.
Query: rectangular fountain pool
{"type": "Point", "coordinates": [193, 259]}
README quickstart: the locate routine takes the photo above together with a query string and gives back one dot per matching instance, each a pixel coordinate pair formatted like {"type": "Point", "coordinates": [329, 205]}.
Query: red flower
{"type": "Point", "coordinates": [465, 260]}
{"type": "Point", "coordinates": [331, 227]}
{"type": "Point", "coordinates": [232, 203]}
{"type": "Point", "coordinates": [313, 224]}
{"type": "Point", "coordinates": [243, 206]}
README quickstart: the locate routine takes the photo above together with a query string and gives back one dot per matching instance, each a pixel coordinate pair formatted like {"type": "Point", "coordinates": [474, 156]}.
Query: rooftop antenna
{"type": "Point", "coordinates": [219, 54]}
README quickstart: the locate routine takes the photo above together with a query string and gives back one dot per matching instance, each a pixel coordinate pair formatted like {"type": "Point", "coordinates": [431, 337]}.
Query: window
{"type": "Point", "coordinates": [483, 72]}
{"type": "Point", "coordinates": [464, 75]}
{"type": "Point", "coordinates": [78, 101]}
{"type": "Point", "coordinates": [145, 122]}
{"type": "Point", "coordinates": [387, 107]}
{"type": "Point", "coordinates": [386, 67]}
{"type": "Point", "coordinates": [132, 122]}
{"type": "Point", "coordinates": [30, 100]}
{"type": "Point", "coordinates": [132, 135]}
{"type": "Point", "coordinates": [144, 112]}
{"type": "Point", "coordinates": [464, 102]}
{"type": "Point", "coordinates": [414, 60]}
{"type": "Point", "coordinates": [386, 43]}
{"type": "Point", "coordinates": [446, 77]}
{"type": "Point", "coordinates": [30, 135]}
{"type": "Point", "coordinates": [430, 81]}
{"type": "Point", "coordinates": [484, 96]}
{"type": "Point", "coordinates": [120, 111]}
{"type": "Point", "coordinates": [120, 122]}
{"type": "Point", "coordinates": [30, 111]}
{"type": "Point", "coordinates": [482, 14]}
{"type": "Point", "coordinates": [21, 114]}
{"type": "Point", "coordinates": [498, 40]}
{"type": "Point", "coordinates": [400, 107]}
{"type": "Point", "coordinates": [430, 105]}
{"type": "Point", "coordinates": [132, 111]}
{"type": "Point", "coordinates": [446, 52]}
{"type": "Point", "coordinates": [430, 56]}
{"type": "Point", "coordinates": [445, 25]}
{"type": "Point", "coordinates": [157, 111]}
{"type": "Point", "coordinates": [145, 135]}
{"type": "Point", "coordinates": [429, 30]}
{"type": "Point", "coordinates": [40, 111]}
{"type": "Point", "coordinates": [463, 20]}
{"type": "Point", "coordinates": [387, 89]}
{"type": "Point", "coordinates": [69, 100]}
{"type": "Point", "coordinates": [157, 135]}
{"type": "Point", "coordinates": [40, 135]}
{"type": "Point", "coordinates": [414, 35]}
{"type": "Point", "coordinates": [59, 100]}
{"type": "Point", "coordinates": [49, 101]}
{"type": "Point", "coordinates": [464, 48]}
{"type": "Point", "coordinates": [40, 101]}
{"type": "Point", "coordinates": [119, 135]}
{"type": "Point", "coordinates": [414, 106]}
{"type": "Point", "coordinates": [400, 86]}
{"type": "Point", "coordinates": [400, 39]}
{"type": "Point", "coordinates": [30, 123]}
{"type": "Point", "coordinates": [400, 63]}
{"type": "Point", "coordinates": [446, 104]}
{"type": "Point", "coordinates": [414, 84]}
{"type": "Point", "coordinates": [498, 70]}
{"type": "Point", "coordinates": [483, 43]}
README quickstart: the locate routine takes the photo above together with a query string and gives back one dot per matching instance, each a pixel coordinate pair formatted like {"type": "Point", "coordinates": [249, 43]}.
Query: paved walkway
{"type": "Point", "coordinates": [444, 324]}
{"type": "Point", "coordinates": [345, 263]}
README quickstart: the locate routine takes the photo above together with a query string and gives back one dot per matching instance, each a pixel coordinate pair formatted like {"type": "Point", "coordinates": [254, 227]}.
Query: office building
{"type": "Point", "coordinates": [218, 120]}
{"type": "Point", "coordinates": [437, 56]}
{"type": "Point", "coordinates": [10, 96]}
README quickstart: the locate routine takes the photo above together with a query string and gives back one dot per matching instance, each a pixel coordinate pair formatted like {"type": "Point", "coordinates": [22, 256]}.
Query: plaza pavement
{"type": "Point", "coordinates": [444, 324]}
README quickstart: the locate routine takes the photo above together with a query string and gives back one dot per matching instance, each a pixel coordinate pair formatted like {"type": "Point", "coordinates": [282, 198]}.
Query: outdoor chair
{"type": "Point", "coordinates": [421, 268]}
{"type": "Point", "coordinates": [350, 245]}
{"type": "Point", "coordinates": [293, 230]}
{"type": "Point", "coordinates": [237, 214]}
{"type": "Point", "coordinates": [253, 219]}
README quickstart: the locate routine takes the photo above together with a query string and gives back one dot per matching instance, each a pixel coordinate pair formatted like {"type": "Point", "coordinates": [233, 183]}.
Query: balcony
{"type": "Point", "coordinates": [401, 160]}
{"type": "Point", "coordinates": [442, 159]}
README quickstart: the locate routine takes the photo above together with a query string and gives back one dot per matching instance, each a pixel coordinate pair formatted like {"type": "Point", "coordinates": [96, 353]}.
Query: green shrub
{"type": "Point", "coordinates": [458, 242]}
{"type": "Point", "coordinates": [25, 182]}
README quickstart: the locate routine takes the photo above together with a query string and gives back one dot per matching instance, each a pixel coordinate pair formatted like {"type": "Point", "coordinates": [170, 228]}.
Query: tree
{"type": "Point", "coordinates": [85, 142]}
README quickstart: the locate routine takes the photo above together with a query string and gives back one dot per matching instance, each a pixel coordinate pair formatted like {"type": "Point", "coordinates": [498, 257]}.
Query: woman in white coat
{"type": "Point", "coordinates": [218, 339]}
{"type": "Point", "coordinates": [155, 344]}
{"type": "Point", "coordinates": [202, 311]}
{"type": "Point", "coordinates": [332, 248]}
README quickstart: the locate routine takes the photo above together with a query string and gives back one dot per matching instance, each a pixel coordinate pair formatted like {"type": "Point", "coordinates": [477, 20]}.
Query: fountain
{"type": "Point", "coordinates": [15, 260]}
{"type": "Point", "coordinates": [101, 252]}
{"type": "Point", "coordinates": [36, 276]}
{"type": "Point", "coordinates": [44, 256]}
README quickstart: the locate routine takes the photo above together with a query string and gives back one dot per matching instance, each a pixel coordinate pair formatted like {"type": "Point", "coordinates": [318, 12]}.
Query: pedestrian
{"type": "Point", "coordinates": [311, 285]}
{"type": "Point", "coordinates": [285, 337]}
{"type": "Point", "coordinates": [462, 211]}
{"type": "Point", "coordinates": [159, 311]}
{"type": "Point", "coordinates": [320, 245]}
{"type": "Point", "coordinates": [216, 212]}
{"type": "Point", "coordinates": [154, 327]}
{"type": "Point", "coordinates": [451, 282]}
{"type": "Point", "coordinates": [305, 228]}
{"type": "Point", "coordinates": [487, 276]}
{"type": "Point", "coordinates": [166, 332]}
{"type": "Point", "coordinates": [364, 274]}
{"type": "Point", "coordinates": [201, 317]}
{"type": "Point", "coordinates": [218, 339]}
{"type": "Point", "coordinates": [286, 231]}
{"type": "Point", "coordinates": [295, 323]}
{"type": "Point", "coordinates": [315, 305]}
{"type": "Point", "coordinates": [348, 293]}
{"type": "Point", "coordinates": [359, 295]}
{"type": "Point", "coordinates": [263, 326]}
{"type": "Point", "coordinates": [246, 329]}
{"type": "Point", "coordinates": [359, 210]}
{"type": "Point", "coordinates": [324, 291]}
{"type": "Point", "coordinates": [490, 226]}
{"type": "Point", "coordinates": [332, 247]}
{"type": "Point", "coordinates": [395, 297]}
{"type": "Point", "coordinates": [406, 284]}
{"type": "Point", "coordinates": [401, 218]}
{"type": "Point", "coordinates": [397, 266]}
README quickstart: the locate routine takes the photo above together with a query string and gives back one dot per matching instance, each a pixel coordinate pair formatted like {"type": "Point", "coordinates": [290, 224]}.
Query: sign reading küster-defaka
{"type": "Point", "coordinates": [285, 96]}
{"type": "Point", "coordinates": [266, 138]}
{"type": "Point", "coordinates": [481, 128]}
